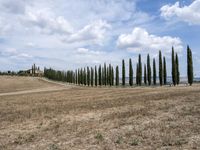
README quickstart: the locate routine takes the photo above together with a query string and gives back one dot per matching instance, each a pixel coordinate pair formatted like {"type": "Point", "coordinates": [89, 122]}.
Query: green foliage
{"type": "Point", "coordinates": [164, 71]}
{"type": "Point", "coordinates": [100, 80]}
{"type": "Point", "coordinates": [189, 66]}
{"type": "Point", "coordinates": [160, 69]}
{"type": "Point", "coordinates": [92, 76]}
{"type": "Point", "coordinates": [117, 76]}
{"type": "Point", "coordinates": [139, 70]}
{"type": "Point", "coordinates": [154, 71]}
{"type": "Point", "coordinates": [130, 73]}
{"type": "Point", "coordinates": [177, 70]}
{"type": "Point", "coordinates": [96, 76]}
{"type": "Point", "coordinates": [123, 73]}
{"type": "Point", "coordinates": [174, 74]}
{"type": "Point", "coordinates": [145, 74]}
{"type": "Point", "coordinates": [148, 70]}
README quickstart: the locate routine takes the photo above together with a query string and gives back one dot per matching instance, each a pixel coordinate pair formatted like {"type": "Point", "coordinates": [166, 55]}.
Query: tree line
{"type": "Point", "coordinates": [107, 75]}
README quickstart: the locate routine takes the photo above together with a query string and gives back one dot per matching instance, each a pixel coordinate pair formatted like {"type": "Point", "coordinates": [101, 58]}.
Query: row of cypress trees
{"type": "Point", "coordinates": [105, 75]}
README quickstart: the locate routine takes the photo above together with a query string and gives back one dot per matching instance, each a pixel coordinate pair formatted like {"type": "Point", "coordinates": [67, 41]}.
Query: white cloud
{"type": "Point", "coordinates": [189, 14]}
{"type": "Point", "coordinates": [141, 40]}
{"type": "Point", "coordinates": [94, 32]}
{"type": "Point", "coordinates": [47, 21]}
{"type": "Point", "coordinates": [86, 51]}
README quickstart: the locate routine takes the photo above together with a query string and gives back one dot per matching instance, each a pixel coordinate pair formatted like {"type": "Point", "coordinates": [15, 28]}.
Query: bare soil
{"type": "Point", "coordinates": [98, 118]}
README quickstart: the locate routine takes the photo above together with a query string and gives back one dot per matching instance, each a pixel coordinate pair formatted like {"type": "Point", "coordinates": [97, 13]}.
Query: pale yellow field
{"type": "Point", "coordinates": [66, 117]}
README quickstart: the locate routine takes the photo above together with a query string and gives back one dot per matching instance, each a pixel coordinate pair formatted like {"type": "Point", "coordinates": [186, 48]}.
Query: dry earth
{"type": "Point", "coordinates": [97, 118]}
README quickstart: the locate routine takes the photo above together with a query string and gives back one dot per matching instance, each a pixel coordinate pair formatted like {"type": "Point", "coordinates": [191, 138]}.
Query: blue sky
{"type": "Point", "coordinates": [76, 33]}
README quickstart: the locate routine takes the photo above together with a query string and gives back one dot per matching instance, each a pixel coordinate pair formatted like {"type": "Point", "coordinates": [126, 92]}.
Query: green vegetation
{"type": "Point", "coordinates": [107, 76]}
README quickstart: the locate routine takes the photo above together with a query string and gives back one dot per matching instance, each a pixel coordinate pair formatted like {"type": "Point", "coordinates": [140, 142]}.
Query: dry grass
{"type": "Point", "coordinates": [13, 84]}
{"type": "Point", "coordinates": [102, 118]}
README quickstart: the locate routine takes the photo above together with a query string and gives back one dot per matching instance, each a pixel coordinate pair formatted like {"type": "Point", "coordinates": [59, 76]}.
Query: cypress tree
{"type": "Point", "coordinates": [174, 79]}
{"type": "Point", "coordinates": [112, 76]}
{"type": "Point", "coordinates": [145, 75]}
{"type": "Point", "coordinates": [96, 76]}
{"type": "Point", "coordinates": [148, 69]}
{"type": "Point", "coordinates": [92, 76]}
{"type": "Point", "coordinates": [164, 71]}
{"type": "Point", "coordinates": [139, 70]}
{"type": "Point", "coordinates": [123, 73]}
{"type": "Point", "coordinates": [85, 77]}
{"type": "Point", "coordinates": [82, 77]}
{"type": "Point", "coordinates": [76, 76]}
{"type": "Point", "coordinates": [100, 75]}
{"type": "Point", "coordinates": [154, 71]}
{"type": "Point", "coordinates": [137, 74]}
{"type": "Point", "coordinates": [117, 76]}
{"type": "Point", "coordinates": [160, 69]}
{"type": "Point", "coordinates": [88, 76]}
{"type": "Point", "coordinates": [189, 66]}
{"type": "Point", "coordinates": [177, 70]}
{"type": "Point", "coordinates": [105, 75]}
{"type": "Point", "coordinates": [130, 73]}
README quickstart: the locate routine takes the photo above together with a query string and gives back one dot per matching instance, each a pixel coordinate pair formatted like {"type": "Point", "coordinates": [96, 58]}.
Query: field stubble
{"type": "Point", "coordinates": [99, 118]}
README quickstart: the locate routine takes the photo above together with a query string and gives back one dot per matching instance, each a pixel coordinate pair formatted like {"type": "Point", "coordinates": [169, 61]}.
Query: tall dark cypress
{"type": "Point", "coordinates": [164, 71]}
{"type": "Point", "coordinates": [148, 70]}
{"type": "Point", "coordinates": [140, 70]}
{"type": "Point", "coordinates": [112, 76]}
{"type": "Point", "coordinates": [105, 75]}
{"type": "Point", "coordinates": [88, 76]}
{"type": "Point", "coordinates": [117, 76]}
{"type": "Point", "coordinates": [100, 83]}
{"type": "Point", "coordinates": [154, 71]}
{"type": "Point", "coordinates": [123, 73]}
{"type": "Point", "coordinates": [130, 73]}
{"type": "Point", "coordinates": [189, 66]}
{"type": "Point", "coordinates": [96, 76]}
{"type": "Point", "coordinates": [92, 76]}
{"type": "Point", "coordinates": [145, 74]}
{"type": "Point", "coordinates": [174, 79]}
{"type": "Point", "coordinates": [177, 70]}
{"type": "Point", "coordinates": [160, 69]}
{"type": "Point", "coordinates": [137, 74]}
{"type": "Point", "coordinates": [76, 76]}
{"type": "Point", "coordinates": [85, 77]}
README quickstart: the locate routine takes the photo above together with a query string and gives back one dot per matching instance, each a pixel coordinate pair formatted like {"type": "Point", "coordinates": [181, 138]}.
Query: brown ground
{"type": "Point", "coordinates": [98, 118]}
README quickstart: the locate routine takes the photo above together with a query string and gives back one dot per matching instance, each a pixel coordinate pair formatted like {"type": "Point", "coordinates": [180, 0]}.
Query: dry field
{"type": "Point", "coordinates": [66, 117]}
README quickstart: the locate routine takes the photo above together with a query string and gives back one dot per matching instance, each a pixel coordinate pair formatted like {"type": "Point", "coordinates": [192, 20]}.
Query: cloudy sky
{"type": "Point", "coordinates": [75, 33]}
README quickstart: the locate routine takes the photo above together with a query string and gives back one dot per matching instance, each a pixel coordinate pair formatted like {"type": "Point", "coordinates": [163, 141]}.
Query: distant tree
{"type": "Point", "coordinates": [174, 78]}
{"type": "Point", "coordinates": [85, 77]}
{"type": "Point", "coordinates": [100, 75]}
{"type": "Point", "coordinates": [117, 76]}
{"type": "Point", "coordinates": [96, 76]}
{"type": "Point", "coordinates": [140, 70]}
{"type": "Point", "coordinates": [189, 66]}
{"type": "Point", "coordinates": [92, 76]}
{"type": "Point", "coordinates": [112, 72]}
{"type": "Point", "coordinates": [105, 75]}
{"type": "Point", "coordinates": [137, 74]}
{"type": "Point", "coordinates": [130, 73]}
{"type": "Point", "coordinates": [177, 70]}
{"type": "Point", "coordinates": [164, 71]}
{"type": "Point", "coordinates": [148, 69]}
{"type": "Point", "coordinates": [123, 73]}
{"type": "Point", "coordinates": [154, 71]}
{"type": "Point", "coordinates": [76, 77]}
{"type": "Point", "coordinates": [145, 74]}
{"type": "Point", "coordinates": [160, 69]}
